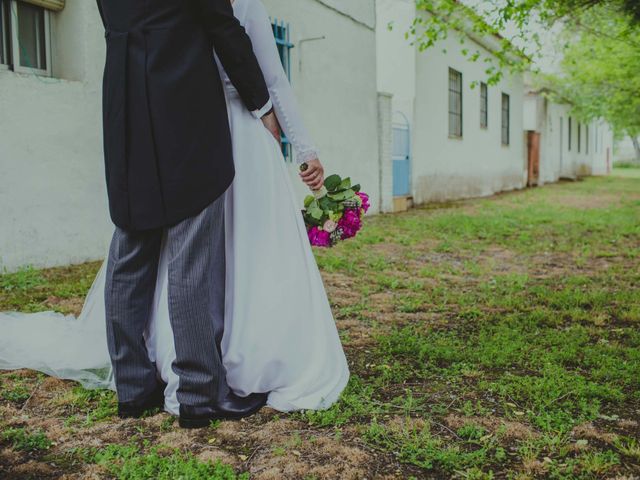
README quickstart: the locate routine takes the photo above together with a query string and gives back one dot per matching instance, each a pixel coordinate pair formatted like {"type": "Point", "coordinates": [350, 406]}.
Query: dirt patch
{"type": "Point", "coordinates": [588, 431]}
{"type": "Point", "coordinates": [508, 429]}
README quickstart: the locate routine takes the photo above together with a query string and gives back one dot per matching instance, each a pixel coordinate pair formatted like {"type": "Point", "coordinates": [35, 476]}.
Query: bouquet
{"type": "Point", "coordinates": [334, 213]}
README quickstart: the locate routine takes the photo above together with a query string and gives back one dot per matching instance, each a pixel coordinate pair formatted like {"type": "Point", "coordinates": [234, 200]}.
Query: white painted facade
{"type": "Point", "coordinates": [53, 207]}
{"type": "Point", "coordinates": [588, 151]}
{"type": "Point", "coordinates": [442, 167]}
{"type": "Point", "coordinates": [624, 151]}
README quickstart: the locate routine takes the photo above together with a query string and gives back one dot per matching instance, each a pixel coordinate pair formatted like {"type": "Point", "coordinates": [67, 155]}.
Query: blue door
{"type": "Point", "coordinates": [401, 159]}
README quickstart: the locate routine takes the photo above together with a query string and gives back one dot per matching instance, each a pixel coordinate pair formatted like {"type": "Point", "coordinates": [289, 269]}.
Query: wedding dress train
{"type": "Point", "coordinates": [280, 336]}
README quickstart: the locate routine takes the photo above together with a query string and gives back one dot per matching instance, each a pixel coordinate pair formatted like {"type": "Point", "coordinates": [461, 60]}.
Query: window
{"type": "Point", "coordinates": [579, 136]}
{"type": "Point", "coordinates": [24, 37]}
{"type": "Point", "coordinates": [586, 131]}
{"type": "Point", "coordinates": [455, 103]}
{"type": "Point", "coordinates": [484, 105]}
{"type": "Point", "coordinates": [282, 36]}
{"type": "Point", "coordinates": [4, 33]}
{"type": "Point", "coordinates": [569, 132]}
{"type": "Point", "coordinates": [506, 113]}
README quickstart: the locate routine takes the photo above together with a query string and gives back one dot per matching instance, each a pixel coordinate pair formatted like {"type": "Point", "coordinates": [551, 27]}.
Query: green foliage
{"type": "Point", "coordinates": [355, 403]}
{"type": "Point", "coordinates": [30, 290]}
{"type": "Point", "coordinates": [600, 74]}
{"type": "Point", "coordinates": [600, 71]}
{"type": "Point", "coordinates": [328, 204]}
{"type": "Point", "coordinates": [630, 165]}
{"type": "Point", "coordinates": [438, 19]}
{"type": "Point", "coordinates": [22, 280]}
{"type": "Point", "coordinates": [415, 444]}
{"type": "Point", "coordinates": [15, 391]}
{"type": "Point", "coordinates": [96, 405]}
{"type": "Point", "coordinates": [129, 463]}
{"type": "Point", "coordinates": [479, 335]}
{"type": "Point", "coordinates": [21, 439]}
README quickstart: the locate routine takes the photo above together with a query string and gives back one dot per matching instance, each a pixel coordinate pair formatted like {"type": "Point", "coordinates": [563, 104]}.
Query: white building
{"type": "Point", "coordinates": [569, 148]}
{"type": "Point", "coordinates": [53, 206]}
{"type": "Point", "coordinates": [463, 141]}
{"type": "Point", "coordinates": [625, 151]}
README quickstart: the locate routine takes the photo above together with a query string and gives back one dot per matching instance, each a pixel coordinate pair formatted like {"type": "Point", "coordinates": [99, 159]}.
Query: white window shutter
{"type": "Point", "coordinates": [55, 5]}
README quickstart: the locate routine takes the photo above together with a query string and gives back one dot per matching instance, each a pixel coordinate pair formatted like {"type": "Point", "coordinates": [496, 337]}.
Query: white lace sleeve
{"type": "Point", "coordinates": [258, 26]}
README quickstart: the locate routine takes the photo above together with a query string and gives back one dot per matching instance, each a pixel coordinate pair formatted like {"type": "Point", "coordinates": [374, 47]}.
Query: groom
{"type": "Point", "coordinates": [168, 162]}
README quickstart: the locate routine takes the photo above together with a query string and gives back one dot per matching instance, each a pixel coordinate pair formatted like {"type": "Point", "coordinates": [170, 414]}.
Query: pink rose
{"type": "Point", "coordinates": [330, 226]}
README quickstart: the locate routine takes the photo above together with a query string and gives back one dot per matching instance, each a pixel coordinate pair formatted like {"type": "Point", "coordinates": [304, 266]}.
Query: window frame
{"type": "Point", "coordinates": [455, 80]}
{"type": "Point", "coordinates": [282, 35]}
{"type": "Point", "coordinates": [5, 32]}
{"type": "Point", "coordinates": [586, 137]}
{"type": "Point", "coordinates": [505, 130]}
{"type": "Point", "coordinates": [570, 132]}
{"type": "Point", "coordinates": [579, 137]}
{"type": "Point", "coordinates": [484, 105]}
{"type": "Point", "coordinates": [15, 48]}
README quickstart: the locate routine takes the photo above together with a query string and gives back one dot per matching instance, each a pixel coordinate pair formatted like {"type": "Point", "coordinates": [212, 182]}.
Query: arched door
{"type": "Point", "coordinates": [401, 156]}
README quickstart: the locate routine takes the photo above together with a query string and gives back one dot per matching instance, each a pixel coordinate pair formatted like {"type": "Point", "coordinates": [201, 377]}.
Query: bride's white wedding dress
{"type": "Point", "coordinates": [280, 336]}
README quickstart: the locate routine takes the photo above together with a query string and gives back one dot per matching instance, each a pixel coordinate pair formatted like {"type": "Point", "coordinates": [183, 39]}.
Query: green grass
{"type": "Point", "coordinates": [483, 337]}
{"type": "Point", "coordinates": [31, 290]}
{"type": "Point", "coordinates": [89, 406]}
{"type": "Point", "coordinates": [158, 463]}
{"type": "Point", "coordinates": [21, 439]}
{"type": "Point", "coordinates": [626, 165]}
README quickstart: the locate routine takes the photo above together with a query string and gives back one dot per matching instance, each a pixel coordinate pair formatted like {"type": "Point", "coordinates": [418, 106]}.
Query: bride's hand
{"type": "Point", "coordinates": [270, 122]}
{"type": "Point", "coordinates": [313, 176]}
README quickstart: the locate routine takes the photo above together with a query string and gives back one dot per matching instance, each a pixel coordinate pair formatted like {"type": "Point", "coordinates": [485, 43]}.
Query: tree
{"type": "Point", "coordinates": [600, 72]}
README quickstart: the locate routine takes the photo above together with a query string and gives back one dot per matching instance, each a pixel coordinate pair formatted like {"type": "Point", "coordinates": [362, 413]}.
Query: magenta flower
{"type": "Point", "coordinates": [319, 238]}
{"type": "Point", "coordinates": [365, 201]}
{"type": "Point", "coordinates": [350, 224]}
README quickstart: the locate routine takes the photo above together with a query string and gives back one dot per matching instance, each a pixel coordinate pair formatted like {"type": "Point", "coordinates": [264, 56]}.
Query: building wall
{"type": "Point", "coordinates": [52, 192]}
{"type": "Point", "coordinates": [396, 70]}
{"type": "Point", "coordinates": [442, 167]}
{"type": "Point", "coordinates": [335, 82]}
{"type": "Point", "coordinates": [476, 164]}
{"type": "Point", "coordinates": [558, 159]}
{"type": "Point", "coordinates": [624, 150]}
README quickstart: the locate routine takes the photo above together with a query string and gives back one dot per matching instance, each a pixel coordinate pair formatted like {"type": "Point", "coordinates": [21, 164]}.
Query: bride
{"type": "Point", "coordinates": [280, 337]}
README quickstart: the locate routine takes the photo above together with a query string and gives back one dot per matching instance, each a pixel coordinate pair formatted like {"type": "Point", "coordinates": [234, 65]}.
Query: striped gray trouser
{"type": "Point", "coordinates": [196, 306]}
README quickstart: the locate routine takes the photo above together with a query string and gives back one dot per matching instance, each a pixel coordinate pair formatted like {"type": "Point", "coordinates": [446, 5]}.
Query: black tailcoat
{"type": "Point", "coordinates": [166, 131]}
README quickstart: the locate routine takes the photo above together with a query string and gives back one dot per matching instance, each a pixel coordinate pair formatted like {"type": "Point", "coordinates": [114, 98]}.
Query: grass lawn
{"type": "Point", "coordinates": [491, 338]}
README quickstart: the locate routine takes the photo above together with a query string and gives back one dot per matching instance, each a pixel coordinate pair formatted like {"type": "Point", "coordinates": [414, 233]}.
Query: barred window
{"type": "Point", "coordinates": [484, 105]}
{"type": "Point", "coordinates": [506, 114]}
{"type": "Point", "coordinates": [455, 103]}
{"type": "Point", "coordinates": [24, 37]}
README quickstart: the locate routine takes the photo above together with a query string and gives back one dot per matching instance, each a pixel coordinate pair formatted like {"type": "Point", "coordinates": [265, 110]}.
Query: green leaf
{"type": "Point", "coordinates": [308, 200]}
{"type": "Point", "coordinates": [345, 184]}
{"type": "Point", "coordinates": [332, 182]}
{"type": "Point", "coordinates": [315, 212]}
{"type": "Point", "coordinates": [341, 196]}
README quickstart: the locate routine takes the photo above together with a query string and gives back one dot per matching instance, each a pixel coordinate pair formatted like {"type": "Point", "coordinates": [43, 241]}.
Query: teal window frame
{"type": "Point", "coordinates": [282, 35]}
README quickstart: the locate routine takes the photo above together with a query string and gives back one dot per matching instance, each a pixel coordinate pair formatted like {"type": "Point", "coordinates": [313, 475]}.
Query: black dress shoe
{"type": "Point", "coordinates": [232, 407]}
{"type": "Point", "coordinates": [138, 408]}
